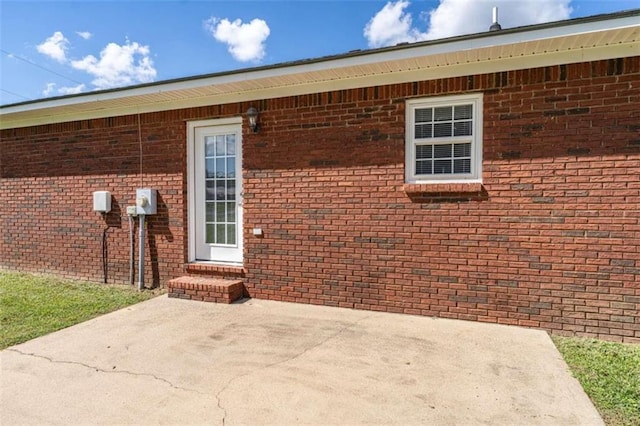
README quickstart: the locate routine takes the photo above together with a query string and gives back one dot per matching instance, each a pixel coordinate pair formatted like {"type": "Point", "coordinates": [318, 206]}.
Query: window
{"type": "Point", "coordinates": [444, 139]}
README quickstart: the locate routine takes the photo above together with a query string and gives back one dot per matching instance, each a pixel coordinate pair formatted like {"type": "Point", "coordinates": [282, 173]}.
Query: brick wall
{"type": "Point", "coordinates": [550, 240]}
{"type": "Point", "coordinates": [48, 176]}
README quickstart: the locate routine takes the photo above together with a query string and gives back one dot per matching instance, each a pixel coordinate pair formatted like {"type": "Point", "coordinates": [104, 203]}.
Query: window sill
{"type": "Point", "coordinates": [445, 192]}
{"type": "Point", "coordinates": [442, 188]}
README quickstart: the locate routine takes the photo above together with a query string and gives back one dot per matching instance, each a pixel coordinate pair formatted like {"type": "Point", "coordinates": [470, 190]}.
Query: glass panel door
{"type": "Point", "coordinates": [220, 190]}
{"type": "Point", "coordinates": [217, 193]}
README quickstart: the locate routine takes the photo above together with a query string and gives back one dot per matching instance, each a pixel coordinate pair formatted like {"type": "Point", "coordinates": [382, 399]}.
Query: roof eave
{"type": "Point", "coordinates": [283, 79]}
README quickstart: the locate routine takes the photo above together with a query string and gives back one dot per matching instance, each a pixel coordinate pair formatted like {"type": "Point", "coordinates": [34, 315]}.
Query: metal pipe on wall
{"type": "Point", "coordinates": [131, 252]}
{"type": "Point", "coordinates": [141, 254]}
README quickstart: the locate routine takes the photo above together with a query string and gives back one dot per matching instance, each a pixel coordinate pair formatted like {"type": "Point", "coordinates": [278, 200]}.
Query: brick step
{"type": "Point", "coordinates": [206, 289]}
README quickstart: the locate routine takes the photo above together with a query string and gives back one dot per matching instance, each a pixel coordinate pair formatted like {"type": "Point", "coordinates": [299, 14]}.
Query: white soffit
{"type": "Point", "coordinates": [488, 52]}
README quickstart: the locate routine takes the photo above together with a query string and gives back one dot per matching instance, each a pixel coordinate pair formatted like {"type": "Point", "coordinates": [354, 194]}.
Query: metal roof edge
{"type": "Point", "coordinates": [397, 50]}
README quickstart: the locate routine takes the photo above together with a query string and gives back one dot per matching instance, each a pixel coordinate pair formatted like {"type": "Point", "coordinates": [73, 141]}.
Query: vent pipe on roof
{"type": "Point", "coordinates": [495, 26]}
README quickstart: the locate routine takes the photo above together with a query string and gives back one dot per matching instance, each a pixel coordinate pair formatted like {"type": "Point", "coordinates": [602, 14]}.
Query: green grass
{"type": "Point", "coordinates": [31, 306]}
{"type": "Point", "coordinates": [609, 373]}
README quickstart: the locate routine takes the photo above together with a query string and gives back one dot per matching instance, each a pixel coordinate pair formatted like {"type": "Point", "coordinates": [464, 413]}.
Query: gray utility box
{"type": "Point", "coordinates": [146, 201]}
{"type": "Point", "coordinates": [102, 201]}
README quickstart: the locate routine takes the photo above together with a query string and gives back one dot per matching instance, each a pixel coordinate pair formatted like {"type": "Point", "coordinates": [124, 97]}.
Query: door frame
{"type": "Point", "coordinates": [192, 126]}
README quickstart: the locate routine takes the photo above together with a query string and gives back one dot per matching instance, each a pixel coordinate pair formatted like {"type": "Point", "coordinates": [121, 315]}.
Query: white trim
{"type": "Point", "coordinates": [455, 44]}
{"type": "Point", "coordinates": [535, 46]}
{"type": "Point", "coordinates": [477, 100]}
{"type": "Point", "coordinates": [51, 114]}
{"type": "Point", "coordinates": [191, 190]}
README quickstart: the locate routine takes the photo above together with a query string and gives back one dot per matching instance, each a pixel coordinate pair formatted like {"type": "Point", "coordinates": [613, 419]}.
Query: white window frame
{"type": "Point", "coordinates": [411, 142]}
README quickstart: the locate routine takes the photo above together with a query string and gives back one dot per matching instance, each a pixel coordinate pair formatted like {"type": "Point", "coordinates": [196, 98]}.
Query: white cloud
{"type": "Point", "coordinates": [455, 17]}
{"type": "Point", "coordinates": [84, 34]}
{"type": "Point", "coordinates": [55, 47]}
{"type": "Point", "coordinates": [245, 42]}
{"type": "Point", "coordinates": [71, 90]}
{"type": "Point", "coordinates": [393, 24]}
{"type": "Point", "coordinates": [49, 89]}
{"type": "Point", "coordinates": [119, 65]}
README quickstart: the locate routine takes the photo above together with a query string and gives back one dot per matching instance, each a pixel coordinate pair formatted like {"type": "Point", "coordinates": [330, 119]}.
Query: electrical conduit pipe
{"type": "Point", "coordinates": [141, 254]}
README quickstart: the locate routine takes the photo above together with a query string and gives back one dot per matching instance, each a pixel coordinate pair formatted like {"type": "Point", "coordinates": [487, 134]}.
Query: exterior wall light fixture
{"type": "Point", "coordinates": [252, 116]}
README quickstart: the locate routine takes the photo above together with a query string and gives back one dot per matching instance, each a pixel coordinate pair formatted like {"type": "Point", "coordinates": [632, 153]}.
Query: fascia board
{"type": "Point", "coordinates": [458, 44]}
{"type": "Point", "coordinates": [506, 64]}
{"type": "Point", "coordinates": [97, 105]}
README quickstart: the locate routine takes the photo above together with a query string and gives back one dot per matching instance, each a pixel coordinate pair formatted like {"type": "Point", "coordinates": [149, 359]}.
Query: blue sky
{"type": "Point", "coordinates": [52, 48]}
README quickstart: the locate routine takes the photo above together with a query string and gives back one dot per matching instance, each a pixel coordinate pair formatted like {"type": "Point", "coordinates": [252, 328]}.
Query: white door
{"type": "Point", "coordinates": [217, 193]}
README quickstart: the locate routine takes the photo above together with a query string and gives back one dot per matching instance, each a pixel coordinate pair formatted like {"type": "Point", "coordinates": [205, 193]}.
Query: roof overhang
{"type": "Point", "coordinates": [577, 40]}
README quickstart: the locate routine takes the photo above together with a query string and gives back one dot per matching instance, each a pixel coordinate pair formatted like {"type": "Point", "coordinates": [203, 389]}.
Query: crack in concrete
{"type": "Point", "coordinates": [101, 370]}
{"type": "Point", "coordinates": [273, 364]}
{"type": "Point", "coordinates": [224, 410]}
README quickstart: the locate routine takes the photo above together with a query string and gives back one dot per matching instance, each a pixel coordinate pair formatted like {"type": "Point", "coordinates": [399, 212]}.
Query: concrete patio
{"type": "Point", "coordinates": [171, 361]}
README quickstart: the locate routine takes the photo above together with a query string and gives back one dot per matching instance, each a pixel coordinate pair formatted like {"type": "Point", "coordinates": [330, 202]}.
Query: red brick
{"type": "Point", "coordinates": [554, 222]}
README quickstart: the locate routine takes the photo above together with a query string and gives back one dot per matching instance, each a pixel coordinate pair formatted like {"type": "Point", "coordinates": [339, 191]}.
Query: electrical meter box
{"type": "Point", "coordinates": [102, 201]}
{"type": "Point", "coordinates": [146, 201]}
